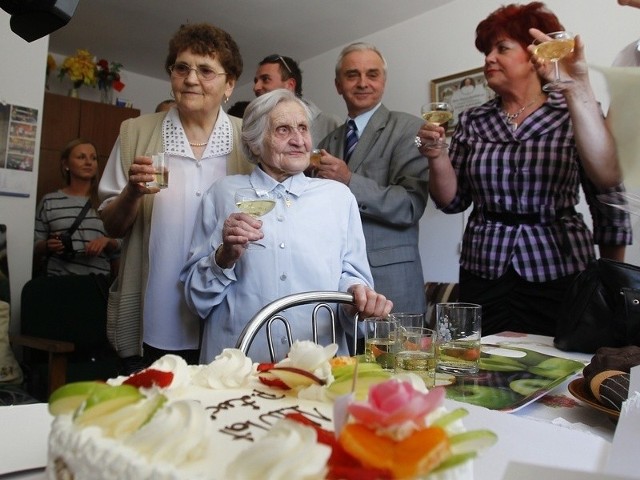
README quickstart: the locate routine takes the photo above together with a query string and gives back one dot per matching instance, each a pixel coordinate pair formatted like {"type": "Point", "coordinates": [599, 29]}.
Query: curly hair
{"type": "Point", "coordinates": [206, 39]}
{"type": "Point", "coordinates": [514, 21]}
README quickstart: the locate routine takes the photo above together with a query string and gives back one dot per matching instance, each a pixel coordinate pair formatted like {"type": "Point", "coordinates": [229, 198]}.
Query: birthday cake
{"type": "Point", "coordinates": [233, 419]}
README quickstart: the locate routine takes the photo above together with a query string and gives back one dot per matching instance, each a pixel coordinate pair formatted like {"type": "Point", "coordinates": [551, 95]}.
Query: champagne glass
{"type": "Point", "coordinates": [559, 46]}
{"type": "Point", "coordinates": [437, 113]}
{"type": "Point", "coordinates": [254, 202]}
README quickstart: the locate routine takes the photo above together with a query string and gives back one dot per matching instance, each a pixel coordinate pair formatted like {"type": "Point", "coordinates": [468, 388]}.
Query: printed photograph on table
{"type": "Point", "coordinates": [509, 378]}
{"type": "Point", "coordinates": [461, 90]}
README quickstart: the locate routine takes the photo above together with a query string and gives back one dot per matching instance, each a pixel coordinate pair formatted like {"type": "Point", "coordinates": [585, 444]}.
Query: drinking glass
{"type": "Point", "coordinates": [416, 353]}
{"type": "Point", "coordinates": [559, 46]}
{"type": "Point", "coordinates": [256, 203]}
{"type": "Point", "coordinates": [458, 337]}
{"type": "Point", "coordinates": [380, 344]}
{"type": "Point", "coordinates": [436, 113]}
{"type": "Point", "coordinates": [406, 319]}
{"type": "Point", "coordinates": [160, 163]}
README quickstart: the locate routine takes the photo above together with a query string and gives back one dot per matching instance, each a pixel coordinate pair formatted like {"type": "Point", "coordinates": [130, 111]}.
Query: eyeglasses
{"type": "Point", "coordinates": [182, 70]}
{"type": "Point", "coordinates": [278, 58]}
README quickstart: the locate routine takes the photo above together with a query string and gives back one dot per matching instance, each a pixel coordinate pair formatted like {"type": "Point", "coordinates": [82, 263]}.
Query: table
{"type": "Point", "coordinates": [555, 431]}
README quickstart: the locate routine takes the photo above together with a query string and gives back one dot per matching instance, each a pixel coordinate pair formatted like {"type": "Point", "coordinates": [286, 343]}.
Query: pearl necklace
{"type": "Point", "coordinates": [198, 144]}
{"type": "Point", "coordinates": [511, 117]}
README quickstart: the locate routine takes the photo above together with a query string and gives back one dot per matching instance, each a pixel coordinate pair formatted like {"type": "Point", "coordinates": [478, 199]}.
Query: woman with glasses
{"type": "Point", "coordinates": [147, 312]}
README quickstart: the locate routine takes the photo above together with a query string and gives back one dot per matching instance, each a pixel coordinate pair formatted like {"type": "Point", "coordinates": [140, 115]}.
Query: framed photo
{"type": "Point", "coordinates": [461, 90]}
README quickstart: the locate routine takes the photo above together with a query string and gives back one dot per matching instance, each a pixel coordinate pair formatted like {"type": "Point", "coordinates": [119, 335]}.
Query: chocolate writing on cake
{"type": "Point", "coordinates": [246, 429]}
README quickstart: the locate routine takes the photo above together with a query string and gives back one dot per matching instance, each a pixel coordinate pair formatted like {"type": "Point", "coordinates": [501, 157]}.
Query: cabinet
{"type": "Point", "coordinates": [67, 118]}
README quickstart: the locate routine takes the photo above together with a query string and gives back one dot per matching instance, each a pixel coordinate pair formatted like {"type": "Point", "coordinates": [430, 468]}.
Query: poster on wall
{"type": "Point", "coordinates": [461, 90]}
{"type": "Point", "coordinates": [18, 128]}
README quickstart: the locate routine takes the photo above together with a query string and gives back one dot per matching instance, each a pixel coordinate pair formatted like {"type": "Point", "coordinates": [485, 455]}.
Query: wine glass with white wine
{"type": "Point", "coordinates": [437, 113]}
{"type": "Point", "coordinates": [559, 46]}
{"type": "Point", "coordinates": [254, 202]}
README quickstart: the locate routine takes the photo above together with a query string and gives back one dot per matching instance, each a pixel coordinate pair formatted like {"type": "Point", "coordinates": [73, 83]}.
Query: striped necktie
{"type": "Point", "coordinates": [351, 141]}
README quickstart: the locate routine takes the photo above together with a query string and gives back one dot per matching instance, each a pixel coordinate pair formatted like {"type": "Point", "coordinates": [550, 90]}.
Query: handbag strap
{"type": "Point", "coordinates": [79, 218]}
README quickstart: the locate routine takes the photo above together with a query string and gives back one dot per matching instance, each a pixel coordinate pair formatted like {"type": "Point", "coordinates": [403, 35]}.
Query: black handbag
{"type": "Point", "coordinates": [601, 308]}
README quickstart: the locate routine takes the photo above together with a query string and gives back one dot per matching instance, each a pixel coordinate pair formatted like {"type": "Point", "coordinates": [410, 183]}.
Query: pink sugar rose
{"type": "Point", "coordinates": [395, 402]}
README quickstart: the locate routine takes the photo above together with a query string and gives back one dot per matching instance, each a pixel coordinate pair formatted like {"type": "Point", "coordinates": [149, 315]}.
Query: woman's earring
{"type": "Point", "coordinates": [171, 94]}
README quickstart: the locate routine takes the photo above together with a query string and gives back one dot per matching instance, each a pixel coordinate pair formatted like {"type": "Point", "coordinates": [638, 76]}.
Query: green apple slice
{"type": "Point", "coordinates": [364, 381]}
{"type": "Point", "coordinates": [472, 441]}
{"type": "Point", "coordinates": [69, 397]}
{"type": "Point", "coordinates": [130, 418]}
{"type": "Point", "coordinates": [454, 461]}
{"type": "Point", "coordinates": [106, 400]}
{"type": "Point", "coordinates": [295, 377]}
{"type": "Point", "coordinates": [450, 417]}
{"type": "Point", "coordinates": [347, 370]}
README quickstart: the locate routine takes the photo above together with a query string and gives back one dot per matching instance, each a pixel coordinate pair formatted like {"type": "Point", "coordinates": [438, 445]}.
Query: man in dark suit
{"type": "Point", "coordinates": [385, 172]}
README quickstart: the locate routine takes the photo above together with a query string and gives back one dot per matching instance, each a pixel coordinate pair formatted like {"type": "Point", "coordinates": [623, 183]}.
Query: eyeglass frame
{"type": "Point", "coordinates": [197, 70]}
{"type": "Point", "coordinates": [278, 58]}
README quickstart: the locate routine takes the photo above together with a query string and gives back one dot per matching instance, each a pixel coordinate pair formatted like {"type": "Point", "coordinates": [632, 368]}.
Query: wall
{"type": "Point", "coordinates": [440, 43]}
{"type": "Point", "coordinates": [22, 84]}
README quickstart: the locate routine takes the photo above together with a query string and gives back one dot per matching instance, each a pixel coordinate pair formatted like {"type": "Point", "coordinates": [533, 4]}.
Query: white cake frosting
{"type": "Point", "coordinates": [218, 422]}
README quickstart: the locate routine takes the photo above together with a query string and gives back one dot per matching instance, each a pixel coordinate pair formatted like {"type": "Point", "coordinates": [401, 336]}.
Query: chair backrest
{"type": "Point", "coordinates": [271, 313]}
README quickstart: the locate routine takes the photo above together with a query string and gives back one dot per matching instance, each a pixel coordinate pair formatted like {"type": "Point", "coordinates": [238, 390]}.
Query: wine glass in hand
{"type": "Point", "coordinates": [255, 203]}
{"type": "Point", "coordinates": [559, 45]}
{"type": "Point", "coordinates": [437, 113]}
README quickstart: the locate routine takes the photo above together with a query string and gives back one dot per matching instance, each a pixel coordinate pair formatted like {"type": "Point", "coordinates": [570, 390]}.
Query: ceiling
{"type": "Point", "coordinates": [136, 32]}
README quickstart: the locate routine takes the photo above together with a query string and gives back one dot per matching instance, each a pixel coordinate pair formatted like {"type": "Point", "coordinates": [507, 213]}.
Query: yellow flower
{"type": "Point", "coordinates": [80, 69]}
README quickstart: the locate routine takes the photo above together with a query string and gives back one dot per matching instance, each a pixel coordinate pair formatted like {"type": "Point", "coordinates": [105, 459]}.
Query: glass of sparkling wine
{"type": "Point", "coordinates": [380, 345]}
{"type": "Point", "coordinates": [416, 353]}
{"type": "Point", "coordinates": [458, 337]}
{"type": "Point", "coordinates": [437, 113]}
{"type": "Point", "coordinates": [254, 202]}
{"type": "Point", "coordinates": [559, 46]}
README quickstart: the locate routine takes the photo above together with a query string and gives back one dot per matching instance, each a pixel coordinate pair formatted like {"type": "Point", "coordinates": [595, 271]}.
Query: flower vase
{"type": "Point", "coordinates": [106, 95]}
{"type": "Point", "coordinates": [73, 93]}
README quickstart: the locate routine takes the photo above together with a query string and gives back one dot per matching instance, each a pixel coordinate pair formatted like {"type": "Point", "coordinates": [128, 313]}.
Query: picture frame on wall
{"type": "Point", "coordinates": [461, 90]}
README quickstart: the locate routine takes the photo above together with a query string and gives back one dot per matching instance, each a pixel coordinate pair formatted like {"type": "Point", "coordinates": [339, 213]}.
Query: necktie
{"type": "Point", "coordinates": [351, 141]}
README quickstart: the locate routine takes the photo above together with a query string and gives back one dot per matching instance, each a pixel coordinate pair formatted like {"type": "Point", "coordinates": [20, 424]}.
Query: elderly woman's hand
{"type": "Point", "coordinates": [573, 65]}
{"type": "Point", "coordinates": [238, 230]}
{"type": "Point", "coordinates": [369, 303]}
{"type": "Point", "coordinates": [141, 172]}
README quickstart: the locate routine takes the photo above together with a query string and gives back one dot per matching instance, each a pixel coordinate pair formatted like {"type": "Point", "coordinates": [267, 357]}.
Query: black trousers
{"type": "Point", "coordinates": [515, 304]}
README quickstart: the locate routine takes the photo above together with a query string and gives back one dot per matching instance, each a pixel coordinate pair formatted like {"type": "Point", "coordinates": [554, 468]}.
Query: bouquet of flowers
{"type": "Point", "coordinates": [108, 75]}
{"type": "Point", "coordinates": [80, 69]}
